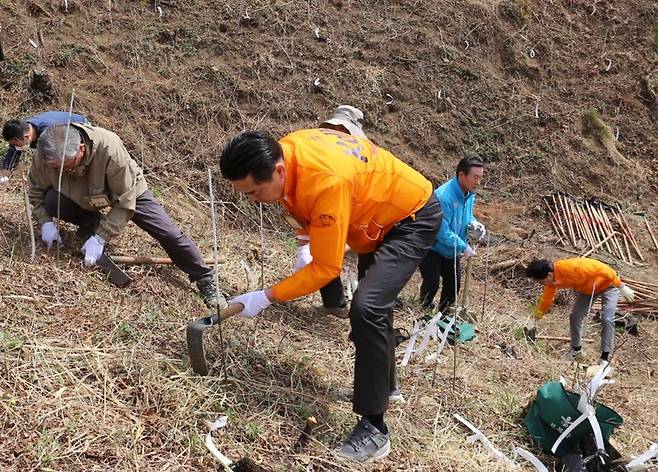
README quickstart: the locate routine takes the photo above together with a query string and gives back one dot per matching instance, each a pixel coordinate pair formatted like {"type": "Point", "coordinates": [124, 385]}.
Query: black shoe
{"type": "Point", "coordinates": [209, 293]}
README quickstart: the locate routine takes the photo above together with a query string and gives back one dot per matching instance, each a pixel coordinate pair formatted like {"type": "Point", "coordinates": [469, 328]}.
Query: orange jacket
{"type": "Point", "coordinates": [343, 189]}
{"type": "Point", "coordinates": [582, 274]}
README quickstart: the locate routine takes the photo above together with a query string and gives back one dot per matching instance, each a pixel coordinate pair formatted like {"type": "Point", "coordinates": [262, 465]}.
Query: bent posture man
{"type": "Point", "coordinates": [344, 189]}
{"type": "Point", "coordinates": [590, 279]}
{"type": "Point", "coordinates": [457, 198]}
{"type": "Point", "coordinates": [99, 173]}
{"type": "Point", "coordinates": [347, 119]}
{"type": "Point", "coordinates": [22, 135]}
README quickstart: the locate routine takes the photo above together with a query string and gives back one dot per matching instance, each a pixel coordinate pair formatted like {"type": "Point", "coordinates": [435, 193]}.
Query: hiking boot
{"type": "Point", "coordinates": [365, 443]}
{"type": "Point", "coordinates": [337, 311]}
{"type": "Point", "coordinates": [347, 394]}
{"type": "Point", "coordinates": [572, 355]}
{"type": "Point", "coordinates": [209, 293]}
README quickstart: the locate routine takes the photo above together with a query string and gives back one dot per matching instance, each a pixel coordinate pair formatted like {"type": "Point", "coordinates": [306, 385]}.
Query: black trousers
{"type": "Point", "coordinates": [382, 275]}
{"type": "Point", "coordinates": [333, 295]}
{"type": "Point", "coordinates": [433, 269]}
{"type": "Point", "coordinates": [149, 216]}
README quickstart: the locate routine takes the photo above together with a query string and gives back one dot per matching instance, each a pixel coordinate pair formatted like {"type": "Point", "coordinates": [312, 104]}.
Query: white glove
{"type": "Point", "coordinates": [93, 250]}
{"type": "Point", "coordinates": [49, 233]}
{"type": "Point", "coordinates": [254, 303]}
{"type": "Point", "coordinates": [469, 252]}
{"type": "Point", "coordinates": [303, 257]}
{"type": "Point", "coordinates": [627, 293]}
{"type": "Point", "coordinates": [4, 179]}
{"type": "Point", "coordinates": [479, 231]}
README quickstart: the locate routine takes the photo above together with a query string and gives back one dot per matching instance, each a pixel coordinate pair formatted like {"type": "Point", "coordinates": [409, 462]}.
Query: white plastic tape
{"type": "Point", "coordinates": [478, 436]}
{"type": "Point", "coordinates": [210, 444]}
{"type": "Point", "coordinates": [530, 457]}
{"type": "Point", "coordinates": [640, 462]}
{"type": "Point", "coordinates": [412, 342]}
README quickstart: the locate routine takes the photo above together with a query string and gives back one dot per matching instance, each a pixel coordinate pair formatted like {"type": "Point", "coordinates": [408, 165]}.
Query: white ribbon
{"type": "Point", "coordinates": [530, 457]}
{"type": "Point", "coordinates": [640, 462]}
{"type": "Point", "coordinates": [478, 436]}
{"type": "Point", "coordinates": [210, 444]}
{"type": "Point", "coordinates": [412, 342]}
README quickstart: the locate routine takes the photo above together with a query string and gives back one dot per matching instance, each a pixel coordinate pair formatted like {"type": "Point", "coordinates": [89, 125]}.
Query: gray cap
{"type": "Point", "coordinates": [350, 118]}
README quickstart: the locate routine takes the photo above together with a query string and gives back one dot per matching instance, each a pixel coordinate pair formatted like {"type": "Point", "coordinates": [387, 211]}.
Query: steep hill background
{"type": "Point", "coordinates": [96, 378]}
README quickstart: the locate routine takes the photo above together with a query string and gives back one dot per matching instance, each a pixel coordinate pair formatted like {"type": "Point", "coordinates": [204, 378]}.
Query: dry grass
{"type": "Point", "coordinates": [97, 378]}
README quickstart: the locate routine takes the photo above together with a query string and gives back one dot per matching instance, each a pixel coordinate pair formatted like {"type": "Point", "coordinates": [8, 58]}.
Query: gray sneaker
{"type": "Point", "coordinates": [347, 394]}
{"type": "Point", "coordinates": [365, 443]}
{"type": "Point", "coordinates": [209, 293]}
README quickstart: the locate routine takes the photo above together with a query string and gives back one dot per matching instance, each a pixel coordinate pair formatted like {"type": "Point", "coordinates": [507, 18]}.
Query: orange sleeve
{"type": "Point", "coordinates": [328, 231]}
{"type": "Point", "coordinates": [608, 276]}
{"type": "Point", "coordinates": [547, 298]}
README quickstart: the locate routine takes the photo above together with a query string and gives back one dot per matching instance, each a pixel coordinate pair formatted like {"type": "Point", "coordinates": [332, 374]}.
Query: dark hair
{"type": "Point", "coordinates": [539, 269]}
{"type": "Point", "coordinates": [250, 153]}
{"type": "Point", "coordinates": [467, 162]}
{"type": "Point", "coordinates": [14, 129]}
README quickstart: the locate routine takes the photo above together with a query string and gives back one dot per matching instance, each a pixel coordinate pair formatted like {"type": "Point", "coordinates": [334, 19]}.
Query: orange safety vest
{"type": "Point", "coordinates": [582, 274]}
{"type": "Point", "coordinates": [343, 189]}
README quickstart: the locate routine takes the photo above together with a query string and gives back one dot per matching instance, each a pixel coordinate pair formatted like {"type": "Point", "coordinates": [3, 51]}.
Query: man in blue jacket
{"type": "Point", "coordinates": [457, 198]}
{"type": "Point", "coordinates": [24, 134]}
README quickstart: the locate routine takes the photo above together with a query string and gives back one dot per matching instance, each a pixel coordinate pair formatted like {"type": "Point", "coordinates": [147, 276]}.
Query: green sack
{"type": "Point", "coordinates": [465, 331]}
{"type": "Point", "coordinates": [554, 409]}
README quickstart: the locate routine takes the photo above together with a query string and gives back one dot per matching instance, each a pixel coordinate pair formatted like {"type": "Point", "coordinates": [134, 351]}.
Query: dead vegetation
{"type": "Point", "coordinates": [96, 378]}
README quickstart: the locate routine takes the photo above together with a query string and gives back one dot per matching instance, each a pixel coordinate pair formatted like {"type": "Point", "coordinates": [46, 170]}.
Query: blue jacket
{"type": "Point", "coordinates": [457, 215]}
{"type": "Point", "coordinates": [40, 123]}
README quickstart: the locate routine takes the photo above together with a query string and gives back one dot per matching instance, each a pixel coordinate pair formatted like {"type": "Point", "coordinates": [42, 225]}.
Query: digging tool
{"type": "Point", "coordinates": [464, 312]}
{"type": "Point", "coordinates": [116, 276]}
{"type": "Point", "coordinates": [195, 331]}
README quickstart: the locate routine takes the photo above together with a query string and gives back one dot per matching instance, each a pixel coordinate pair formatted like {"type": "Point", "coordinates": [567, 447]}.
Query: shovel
{"type": "Point", "coordinates": [195, 336]}
{"type": "Point", "coordinates": [114, 273]}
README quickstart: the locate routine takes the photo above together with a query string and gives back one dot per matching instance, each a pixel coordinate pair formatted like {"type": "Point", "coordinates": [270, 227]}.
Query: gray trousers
{"type": "Point", "coordinates": [149, 216]}
{"type": "Point", "coordinates": [382, 275]}
{"type": "Point", "coordinates": [609, 299]}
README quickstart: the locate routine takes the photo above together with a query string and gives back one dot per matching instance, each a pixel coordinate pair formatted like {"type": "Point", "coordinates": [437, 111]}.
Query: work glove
{"type": "Point", "coordinates": [93, 250]}
{"type": "Point", "coordinates": [627, 293]}
{"type": "Point", "coordinates": [303, 257]}
{"type": "Point", "coordinates": [469, 252]}
{"type": "Point", "coordinates": [50, 234]}
{"type": "Point", "coordinates": [4, 179]}
{"type": "Point", "coordinates": [254, 303]}
{"type": "Point", "coordinates": [478, 229]}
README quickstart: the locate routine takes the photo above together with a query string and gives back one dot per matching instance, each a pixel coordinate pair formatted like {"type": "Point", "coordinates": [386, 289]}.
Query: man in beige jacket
{"type": "Point", "coordinates": [99, 174]}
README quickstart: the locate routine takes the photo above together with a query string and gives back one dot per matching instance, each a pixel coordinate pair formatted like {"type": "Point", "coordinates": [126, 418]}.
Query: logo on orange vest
{"type": "Point", "coordinates": [327, 220]}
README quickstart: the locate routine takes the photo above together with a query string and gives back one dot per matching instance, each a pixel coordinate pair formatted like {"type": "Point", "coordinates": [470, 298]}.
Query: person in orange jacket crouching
{"type": "Point", "coordinates": [590, 279]}
{"type": "Point", "coordinates": [344, 190]}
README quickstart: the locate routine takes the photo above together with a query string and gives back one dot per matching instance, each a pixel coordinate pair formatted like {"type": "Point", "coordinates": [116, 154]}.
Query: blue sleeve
{"type": "Point", "coordinates": [447, 237]}
{"type": "Point", "coordinates": [11, 158]}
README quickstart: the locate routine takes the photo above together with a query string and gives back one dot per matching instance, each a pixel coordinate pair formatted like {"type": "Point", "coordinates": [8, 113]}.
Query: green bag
{"type": "Point", "coordinates": [465, 331]}
{"type": "Point", "coordinates": [554, 409]}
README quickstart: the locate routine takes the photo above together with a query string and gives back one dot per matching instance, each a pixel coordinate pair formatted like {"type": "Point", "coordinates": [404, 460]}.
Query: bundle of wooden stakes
{"type": "Point", "coordinates": [594, 225]}
{"type": "Point", "coordinates": [646, 297]}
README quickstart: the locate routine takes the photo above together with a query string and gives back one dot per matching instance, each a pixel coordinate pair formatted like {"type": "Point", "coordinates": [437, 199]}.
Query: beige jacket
{"type": "Point", "coordinates": [106, 177]}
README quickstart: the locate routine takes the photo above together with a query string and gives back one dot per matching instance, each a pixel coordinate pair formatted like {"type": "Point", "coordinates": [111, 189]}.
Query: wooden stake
{"type": "Point", "coordinates": [567, 217]}
{"type": "Point", "coordinates": [598, 245]}
{"type": "Point", "coordinates": [601, 225]}
{"type": "Point", "coordinates": [620, 252]}
{"type": "Point", "coordinates": [630, 233]}
{"type": "Point", "coordinates": [653, 238]}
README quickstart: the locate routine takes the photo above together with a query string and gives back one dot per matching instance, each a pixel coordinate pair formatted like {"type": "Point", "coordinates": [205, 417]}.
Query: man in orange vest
{"type": "Point", "coordinates": [344, 189]}
{"type": "Point", "coordinates": [590, 279]}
